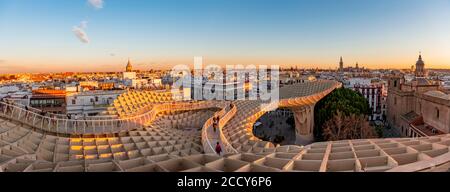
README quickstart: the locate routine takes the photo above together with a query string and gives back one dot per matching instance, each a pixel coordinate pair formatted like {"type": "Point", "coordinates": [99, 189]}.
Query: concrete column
{"type": "Point", "coordinates": [304, 124]}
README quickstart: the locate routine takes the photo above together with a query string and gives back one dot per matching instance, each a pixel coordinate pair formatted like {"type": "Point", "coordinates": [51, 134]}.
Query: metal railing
{"type": "Point", "coordinates": [60, 116]}
{"type": "Point", "coordinates": [207, 145]}
{"type": "Point", "coordinates": [225, 114]}
{"type": "Point", "coordinates": [228, 148]}
{"type": "Point", "coordinates": [55, 124]}
{"type": "Point", "coordinates": [417, 131]}
{"type": "Point", "coordinates": [206, 142]}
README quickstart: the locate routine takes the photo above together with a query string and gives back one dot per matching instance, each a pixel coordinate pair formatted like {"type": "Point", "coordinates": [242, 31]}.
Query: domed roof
{"type": "Point", "coordinates": [421, 81]}
{"type": "Point", "coordinates": [420, 67]}
{"type": "Point", "coordinates": [420, 61]}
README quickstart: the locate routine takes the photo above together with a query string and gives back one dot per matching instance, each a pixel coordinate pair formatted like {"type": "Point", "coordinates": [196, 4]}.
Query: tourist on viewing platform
{"type": "Point", "coordinates": [45, 116]}
{"type": "Point", "coordinates": [53, 119]}
{"type": "Point", "coordinates": [215, 123]}
{"type": "Point", "coordinates": [69, 117]}
{"type": "Point", "coordinates": [434, 130]}
{"type": "Point", "coordinates": [85, 120]}
{"type": "Point", "coordinates": [8, 107]}
{"type": "Point", "coordinates": [218, 148]}
{"type": "Point", "coordinates": [26, 112]}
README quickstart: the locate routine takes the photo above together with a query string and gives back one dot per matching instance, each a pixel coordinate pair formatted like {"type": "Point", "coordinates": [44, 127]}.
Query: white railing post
{"type": "Point", "coordinates": [104, 125]}
{"type": "Point", "coordinates": [42, 122]}
{"type": "Point", "coordinates": [34, 120]}
{"type": "Point", "coordinates": [57, 125]}
{"type": "Point", "coordinates": [84, 126]}
{"type": "Point", "coordinates": [66, 124]}
{"type": "Point", "coordinates": [12, 112]}
{"type": "Point", "coordinates": [93, 125]}
{"type": "Point", "coordinates": [20, 113]}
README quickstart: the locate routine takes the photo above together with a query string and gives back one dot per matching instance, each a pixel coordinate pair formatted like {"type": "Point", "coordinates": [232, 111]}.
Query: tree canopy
{"type": "Point", "coordinates": [342, 127]}
{"type": "Point", "coordinates": [342, 100]}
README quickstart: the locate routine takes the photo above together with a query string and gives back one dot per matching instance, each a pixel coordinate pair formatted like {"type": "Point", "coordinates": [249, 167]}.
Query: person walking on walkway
{"type": "Point", "coordinates": [9, 108]}
{"type": "Point", "coordinates": [26, 112]}
{"type": "Point", "coordinates": [218, 148]}
{"type": "Point", "coordinates": [69, 119]}
{"type": "Point", "coordinates": [44, 117]}
{"type": "Point", "coordinates": [215, 124]}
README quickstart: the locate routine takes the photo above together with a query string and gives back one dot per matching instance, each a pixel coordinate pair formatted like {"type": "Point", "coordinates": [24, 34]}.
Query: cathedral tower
{"type": "Point", "coordinates": [420, 67]}
{"type": "Point", "coordinates": [341, 65]}
{"type": "Point", "coordinates": [129, 67]}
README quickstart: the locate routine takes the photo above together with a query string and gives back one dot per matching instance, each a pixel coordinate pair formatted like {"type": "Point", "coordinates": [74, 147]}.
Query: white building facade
{"type": "Point", "coordinates": [90, 103]}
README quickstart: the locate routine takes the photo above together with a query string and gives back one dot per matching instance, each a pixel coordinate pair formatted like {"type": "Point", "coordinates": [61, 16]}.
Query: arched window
{"type": "Point", "coordinates": [395, 83]}
{"type": "Point", "coordinates": [437, 113]}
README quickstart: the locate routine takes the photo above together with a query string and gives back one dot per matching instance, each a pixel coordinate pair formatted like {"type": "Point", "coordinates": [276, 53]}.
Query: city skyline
{"type": "Point", "coordinates": [96, 35]}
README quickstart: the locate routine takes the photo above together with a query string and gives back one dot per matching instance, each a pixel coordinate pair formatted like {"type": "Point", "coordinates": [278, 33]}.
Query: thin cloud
{"type": "Point", "coordinates": [83, 24]}
{"type": "Point", "coordinates": [80, 33]}
{"type": "Point", "coordinates": [98, 4]}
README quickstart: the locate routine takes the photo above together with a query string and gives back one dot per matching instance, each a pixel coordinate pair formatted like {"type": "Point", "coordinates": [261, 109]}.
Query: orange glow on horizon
{"type": "Point", "coordinates": [144, 64]}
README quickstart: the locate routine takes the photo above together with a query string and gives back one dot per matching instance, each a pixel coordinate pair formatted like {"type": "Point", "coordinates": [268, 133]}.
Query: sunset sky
{"type": "Point", "coordinates": [96, 35]}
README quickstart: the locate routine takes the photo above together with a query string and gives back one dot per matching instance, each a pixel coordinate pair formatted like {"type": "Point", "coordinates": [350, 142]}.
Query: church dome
{"type": "Point", "coordinates": [420, 61]}
{"type": "Point", "coordinates": [421, 81]}
{"type": "Point", "coordinates": [420, 67]}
